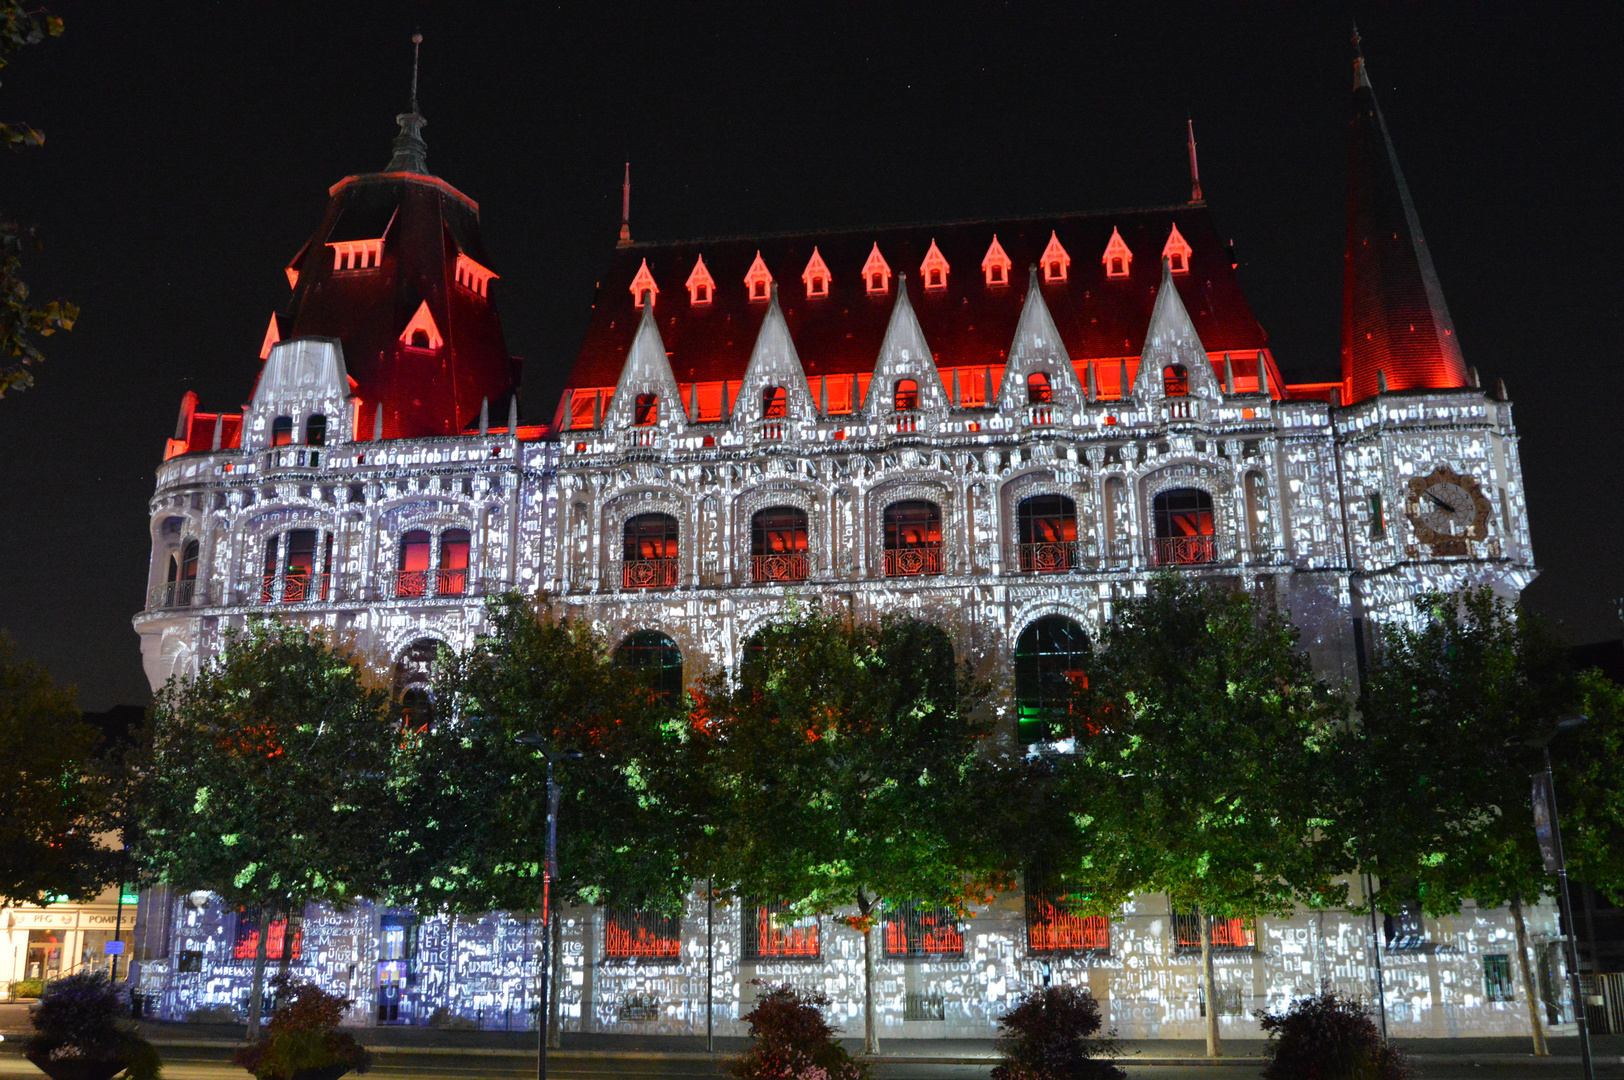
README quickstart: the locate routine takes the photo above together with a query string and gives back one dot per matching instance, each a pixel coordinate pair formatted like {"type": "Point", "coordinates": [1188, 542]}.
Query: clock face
{"type": "Point", "coordinates": [1446, 509]}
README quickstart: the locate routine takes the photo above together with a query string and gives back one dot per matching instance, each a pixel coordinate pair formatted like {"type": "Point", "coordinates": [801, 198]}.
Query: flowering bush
{"type": "Point", "coordinates": [790, 1040]}
{"type": "Point", "coordinates": [78, 1018]}
{"type": "Point", "coordinates": [1326, 1037]}
{"type": "Point", "coordinates": [304, 1036]}
{"type": "Point", "coordinates": [1049, 1035]}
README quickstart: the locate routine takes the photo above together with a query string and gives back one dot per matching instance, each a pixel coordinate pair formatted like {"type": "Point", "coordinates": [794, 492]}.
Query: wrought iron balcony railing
{"type": "Point", "coordinates": [648, 573]}
{"type": "Point", "coordinates": [1040, 415]}
{"type": "Point", "coordinates": [1183, 550]}
{"type": "Point", "coordinates": [291, 457]}
{"type": "Point", "coordinates": [773, 430]}
{"type": "Point", "coordinates": [175, 594]}
{"type": "Point", "coordinates": [296, 588]}
{"type": "Point", "coordinates": [906, 423]}
{"type": "Point", "coordinates": [1050, 557]}
{"type": "Point", "coordinates": [913, 561]}
{"type": "Point", "coordinates": [785, 566]}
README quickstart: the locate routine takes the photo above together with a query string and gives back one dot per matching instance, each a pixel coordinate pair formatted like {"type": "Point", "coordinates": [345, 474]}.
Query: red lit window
{"type": "Point", "coordinates": [356, 254]}
{"type": "Point", "coordinates": [934, 269]}
{"type": "Point", "coordinates": [451, 579]}
{"type": "Point", "coordinates": [643, 282]}
{"type": "Point", "coordinates": [472, 276]}
{"type": "Point", "coordinates": [645, 410]}
{"type": "Point", "coordinates": [299, 569]}
{"type": "Point", "coordinates": [1038, 390]}
{"type": "Point", "coordinates": [421, 332]}
{"type": "Point", "coordinates": [876, 272]}
{"type": "Point", "coordinates": [758, 280]}
{"type": "Point", "coordinates": [1052, 928]}
{"type": "Point", "coordinates": [772, 930]}
{"type": "Point", "coordinates": [650, 552]}
{"type": "Point", "coordinates": [1177, 252]}
{"type": "Point", "coordinates": [1184, 527]}
{"type": "Point", "coordinates": [995, 264]}
{"type": "Point", "coordinates": [1055, 260]}
{"type": "Point", "coordinates": [640, 935]}
{"type": "Point", "coordinates": [778, 543]}
{"type": "Point", "coordinates": [1048, 534]}
{"type": "Point", "coordinates": [816, 275]}
{"type": "Point", "coordinates": [701, 286]}
{"type": "Point", "coordinates": [1228, 935]}
{"type": "Point", "coordinates": [246, 946]}
{"type": "Point", "coordinates": [907, 396]}
{"type": "Point", "coordinates": [774, 403]}
{"type": "Point", "coordinates": [412, 578]}
{"type": "Point", "coordinates": [1175, 380]}
{"type": "Point", "coordinates": [1117, 257]}
{"type": "Point", "coordinates": [282, 431]}
{"type": "Point", "coordinates": [912, 930]}
{"type": "Point", "coordinates": [913, 539]}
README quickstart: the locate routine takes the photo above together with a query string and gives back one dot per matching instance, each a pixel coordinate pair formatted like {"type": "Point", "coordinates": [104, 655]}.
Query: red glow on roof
{"type": "Point", "coordinates": [701, 286]}
{"type": "Point", "coordinates": [420, 332]}
{"type": "Point", "coordinates": [933, 271]}
{"type": "Point", "coordinates": [816, 275]}
{"type": "Point", "coordinates": [1118, 259]}
{"type": "Point", "coordinates": [995, 264]}
{"type": "Point", "coordinates": [1055, 261]}
{"type": "Point", "coordinates": [1177, 251]}
{"type": "Point", "coordinates": [877, 272]}
{"type": "Point", "coordinates": [758, 280]}
{"type": "Point", "coordinates": [357, 254]}
{"type": "Point", "coordinates": [420, 178]}
{"type": "Point", "coordinates": [293, 275]}
{"type": "Point", "coordinates": [272, 335]}
{"type": "Point", "coordinates": [644, 283]}
{"type": "Point", "coordinates": [472, 276]}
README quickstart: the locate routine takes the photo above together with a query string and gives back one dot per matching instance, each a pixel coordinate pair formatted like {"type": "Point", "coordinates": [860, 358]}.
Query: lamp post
{"type": "Point", "coordinates": [548, 873]}
{"type": "Point", "coordinates": [1549, 829]}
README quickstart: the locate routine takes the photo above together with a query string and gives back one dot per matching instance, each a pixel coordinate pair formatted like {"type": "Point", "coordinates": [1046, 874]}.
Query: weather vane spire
{"type": "Point", "coordinates": [410, 150]}
{"type": "Point", "coordinates": [417, 44]}
{"type": "Point", "coordinates": [626, 208]}
{"type": "Point", "coordinates": [1195, 169]}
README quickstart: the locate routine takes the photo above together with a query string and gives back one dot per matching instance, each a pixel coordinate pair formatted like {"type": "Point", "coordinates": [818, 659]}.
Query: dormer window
{"type": "Point", "coordinates": [282, 431]}
{"type": "Point", "coordinates": [472, 276]}
{"type": "Point", "coordinates": [934, 269]}
{"type": "Point", "coordinates": [645, 410]}
{"type": "Point", "coordinates": [907, 395]}
{"type": "Point", "coordinates": [1054, 260]}
{"type": "Point", "coordinates": [1117, 257]}
{"type": "Point", "coordinates": [1175, 380]}
{"type": "Point", "coordinates": [421, 332]}
{"type": "Point", "coordinates": [356, 254]}
{"type": "Point", "coordinates": [995, 264]}
{"type": "Point", "coordinates": [774, 403]}
{"type": "Point", "coordinates": [316, 430]}
{"type": "Point", "coordinates": [1177, 252]}
{"type": "Point", "coordinates": [642, 283]}
{"type": "Point", "coordinates": [816, 275]}
{"type": "Point", "coordinates": [758, 280]}
{"type": "Point", "coordinates": [701, 286]}
{"type": "Point", "coordinates": [876, 272]}
{"type": "Point", "coordinates": [1038, 390]}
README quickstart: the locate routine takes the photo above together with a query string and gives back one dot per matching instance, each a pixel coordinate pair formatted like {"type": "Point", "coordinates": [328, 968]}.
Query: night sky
{"type": "Point", "coordinates": [190, 147]}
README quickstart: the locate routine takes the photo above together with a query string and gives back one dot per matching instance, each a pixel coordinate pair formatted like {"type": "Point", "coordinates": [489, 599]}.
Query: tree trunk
{"type": "Point", "coordinates": [555, 1027]}
{"type": "Point", "coordinates": [871, 1031]}
{"type": "Point", "coordinates": [1209, 984]}
{"type": "Point", "coordinates": [256, 995]}
{"type": "Point", "coordinates": [1530, 990]}
{"type": "Point", "coordinates": [288, 930]}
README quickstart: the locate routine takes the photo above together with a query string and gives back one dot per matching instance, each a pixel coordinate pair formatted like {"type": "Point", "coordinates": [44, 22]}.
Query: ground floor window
{"type": "Point", "coordinates": [1051, 666]}
{"type": "Point", "coordinates": [773, 931]}
{"type": "Point", "coordinates": [641, 935]}
{"type": "Point", "coordinates": [1497, 977]}
{"type": "Point", "coordinates": [1228, 935]}
{"type": "Point", "coordinates": [656, 657]}
{"type": "Point", "coordinates": [246, 945]}
{"type": "Point", "coordinates": [916, 930]}
{"type": "Point", "coordinates": [1053, 926]}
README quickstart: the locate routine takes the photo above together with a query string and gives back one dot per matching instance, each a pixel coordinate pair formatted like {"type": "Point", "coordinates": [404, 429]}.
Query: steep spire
{"type": "Point", "coordinates": [1394, 318]}
{"type": "Point", "coordinates": [774, 361]}
{"type": "Point", "coordinates": [904, 354]}
{"type": "Point", "coordinates": [1171, 339]}
{"type": "Point", "coordinates": [647, 371]}
{"type": "Point", "coordinates": [1036, 347]}
{"type": "Point", "coordinates": [410, 149]}
{"type": "Point", "coordinates": [626, 208]}
{"type": "Point", "coordinates": [1195, 170]}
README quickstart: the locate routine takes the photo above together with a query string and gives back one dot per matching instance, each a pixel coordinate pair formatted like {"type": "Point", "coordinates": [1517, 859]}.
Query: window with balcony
{"type": "Point", "coordinates": [412, 570]}
{"type": "Point", "coordinates": [282, 431]}
{"type": "Point", "coordinates": [645, 410]}
{"type": "Point", "coordinates": [1038, 390]}
{"type": "Point", "coordinates": [649, 556]}
{"type": "Point", "coordinates": [1048, 534]}
{"type": "Point", "coordinates": [778, 545]}
{"type": "Point", "coordinates": [1053, 926]}
{"type": "Point", "coordinates": [1051, 666]}
{"type": "Point", "coordinates": [316, 430]}
{"type": "Point", "coordinates": [656, 657]}
{"type": "Point", "coordinates": [641, 935]}
{"type": "Point", "coordinates": [451, 577]}
{"type": "Point", "coordinates": [1175, 380]}
{"type": "Point", "coordinates": [299, 568]}
{"type": "Point", "coordinates": [906, 396]}
{"type": "Point", "coordinates": [291, 574]}
{"type": "Point", "coordinates": [914, 930]}
{"type": "Point", "coordinates": [180, 580]}
{"type": "Point", "coordinates": [913, 539]}
{"type": "Point", "coordinates": [1184, 530]}
{"type": "Point", "coordinates": [1228, 935]}
{"type": "Point", "coordinates": [773, 931]}
{"type": "Point", "coordinates": [774, 403]}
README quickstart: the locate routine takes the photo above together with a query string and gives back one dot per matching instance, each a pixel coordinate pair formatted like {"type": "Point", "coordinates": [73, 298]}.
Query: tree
{"type": "Point", "coordinates": [21, 322]}
{"type": "Point", "coordinates": [1204, 765]}
{"type": "Point", "coordinates": [847, 755]}
{"type": "Point", "coordinates": [266, 779]}
{"type": "Point", "coordinates": [53, 818]}
{"type": "Point", "coordinates": [1589, 794]}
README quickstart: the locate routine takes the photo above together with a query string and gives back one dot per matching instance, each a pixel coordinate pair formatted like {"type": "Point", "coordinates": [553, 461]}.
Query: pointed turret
{"type": "Point", "coordinates": [1171, 340]}
{"type": "Point", "coordinates": [411, 152]}
{"type": "Point", "coordinates": [1394, 318]}
{"type": "Point", "coordinates": [1037, 350]}
{"type": "Point", "coordinates": [646, 372]}
{"type": "Point", "coordinates": [904, 354]}
{"type": "Point", "coordinates": [774, 364]}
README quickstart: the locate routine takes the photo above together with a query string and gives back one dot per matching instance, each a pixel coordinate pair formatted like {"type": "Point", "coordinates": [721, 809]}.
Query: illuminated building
{"type": "Point", "coordinates": [1006, 426]}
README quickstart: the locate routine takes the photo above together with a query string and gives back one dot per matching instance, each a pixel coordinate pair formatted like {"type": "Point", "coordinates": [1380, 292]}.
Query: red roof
{"type": "Point", "coordinates": [968, 323]}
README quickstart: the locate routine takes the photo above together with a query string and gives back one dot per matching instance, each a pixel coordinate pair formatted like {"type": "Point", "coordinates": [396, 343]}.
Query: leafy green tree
{"type": "Point", "coordinates": [266, 779]}
{"type": "Point", "coordinates": [847, 752]}
{"type": "Point", "coordinates": [1588, 789]}
{"type": "Point", "coordinates": [56, 810]}
{"type": "Point", "coordinates": [21, 321]}
{"type": "Point", "coordinates": [1203, 767]}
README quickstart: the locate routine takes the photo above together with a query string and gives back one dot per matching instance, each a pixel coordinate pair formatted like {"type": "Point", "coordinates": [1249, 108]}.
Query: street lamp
{"type": "Point", "coordinates": [1549, 830]}
{"type": "Point", "coordinates": [548, 873]}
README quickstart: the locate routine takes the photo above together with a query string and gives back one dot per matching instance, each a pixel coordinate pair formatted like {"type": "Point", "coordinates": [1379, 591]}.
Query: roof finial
{"type": "Point", "coordinates": [626, 208]}
{"type": "Point", "coordinates": [1195, 170]}
{"type": "Point", "coordinates": [410, 150]}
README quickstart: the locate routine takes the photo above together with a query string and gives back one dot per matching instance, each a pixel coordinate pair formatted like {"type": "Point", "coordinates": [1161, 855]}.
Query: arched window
{"type": "Point", "coordinates": [778, 545]}
{"type": "Point", "coordinates": [774, 403]}
{"type": "Point", "coordinates": [1051, 665]}
{"type": "Point", "coordinates": [1038, 390]}
{"type": "Point", "coordinates": [1184, 534]}
{"type": "Point", "coordinates": [1175, 380]}
{"type": "Point", "coordinates": [414, 678]}
{"type": "Point", "coordinates": [316, 430]}
{"type": "Point", "coordinates": [299, 567]}
{"type": "Point", "coordinates": [183, 576]}
{"type": "Point", "coordinates": [913, 539]}
{"type": "Point", "coordinates": [657, 657]}
{"type": "Point", "coordinates": [645, 410]}
{"type": "Point", "coordinates": [1048, 531]}
{"type": "Point", "coordinates": [451, 579]}
{"type": "Point", "coordinates": [412, 578]}
{"type": "Point", "coordinates": [282, 431]}
{"type": "Point", "coordinates": [650, 554]}
{"type": "Point", "coordinates": [420, 339]}
{"type": "Point", "coordinates": [907, 395]}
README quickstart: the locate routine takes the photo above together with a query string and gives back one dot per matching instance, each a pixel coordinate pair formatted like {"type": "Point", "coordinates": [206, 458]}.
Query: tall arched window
{"type": "Point", "coordinates": [774, 403]}
{"type": "Point", "coordinates": [645, 410]}
{"type": "Point", "coordinates": [316, 430]}
{"type": "Point", "coordinates": [1175, 380]}
{"type": "Point", "coordinates": [778, 545]}
{"type": "Point", "coordinates": [412, 577]}
{"type": "Point", "coordinates": [299, 567]}
{"type": "Point", "coordinates": [907, 395]}
{"type": "Point", "coordinates": [1051, 665]}
{"type": "Point", "coordinates": [1048, 532]}
{"type": "Point", "coordinates": [913, 539]}
{"type": "Point", "coordinates": [1038, 390]}
{"type": "Point", "coordinates": [282, 431]}
{"type": "Point", "coordinates": [1184, 530]}
{"type": "Point", "coordinates": [649, 559]}
{"type": "Point", "coordinates": [656, 656]}
{"type": "Point", "coordinates": [451, 579]}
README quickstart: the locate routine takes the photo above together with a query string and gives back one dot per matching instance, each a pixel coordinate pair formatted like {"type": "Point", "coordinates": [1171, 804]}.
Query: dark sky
{"type": "Point", "coordinates": [190, 148]}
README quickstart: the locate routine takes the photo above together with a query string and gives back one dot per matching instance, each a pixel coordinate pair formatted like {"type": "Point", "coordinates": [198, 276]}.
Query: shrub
{"type": "Point", "coordinates": [790, 1040]}
{"type": "Point", "coordinates": [303, 1035]}
{"type": "Point", "coordinates": [78, 1016]}
{"type": "Point", "coordinates": [27, 988]}
{"type": "Point", "coordinates": [1326, 1037]}
{"type": "Point", "coordinates": [1050, 1035]}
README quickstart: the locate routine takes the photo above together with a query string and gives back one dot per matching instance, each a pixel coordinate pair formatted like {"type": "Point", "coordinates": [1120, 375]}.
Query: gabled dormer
{"type": "Point", "coordinates": [646, 398]}
{"type": "Point", "coordinates": [643, 286]}
{"type": "Point", "coordinates": [906, 382]}
{"type": "Point", "coordinates": [995, 265]}
{"type": "Point", "coordinates": [421, 331]}
{"type": "Point", "coordinates": [774, 396]}
{"type": "Point", "coordinates": [1174, 363]}
{"type": "Point", "coordinates": [1056, 262]}
{"type": "Point", "coordinates": [1177, 251]}
{"type": "Point", "coordinates": [933, 270]}
{"type": "Point", "coordinates": [1117, 258]}
{"type": "Point", "coordinates": [816, 276]}
{"type": "Point", "coordinates": [302, 397]}
{"type": "Point", "coordinates": [701, 286]}
{"type": "Point", "coordinates": [876, 273]}
{"type": "Point", "coordinates": [1038, 372]}
{"type": "Point", "coordinates": [758, 280]}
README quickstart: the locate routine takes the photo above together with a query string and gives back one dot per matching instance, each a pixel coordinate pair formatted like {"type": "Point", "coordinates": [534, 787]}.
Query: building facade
{"type": "Point", "coordinates": [1005, 426]}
